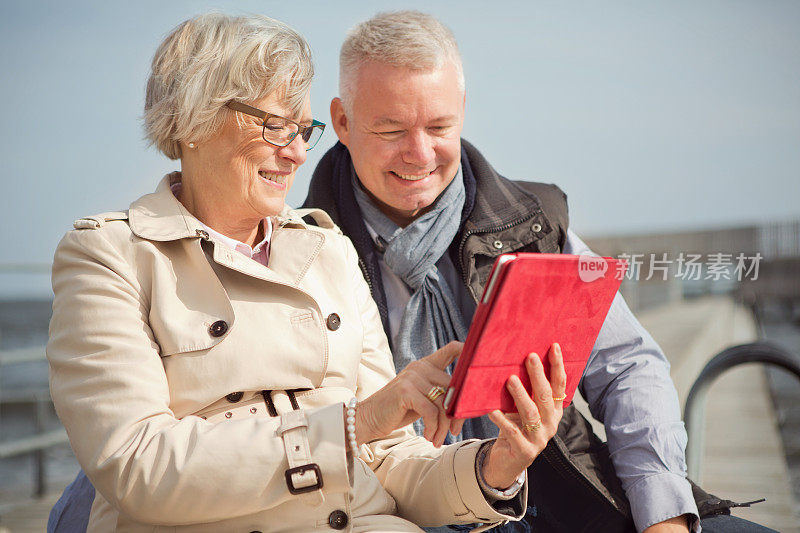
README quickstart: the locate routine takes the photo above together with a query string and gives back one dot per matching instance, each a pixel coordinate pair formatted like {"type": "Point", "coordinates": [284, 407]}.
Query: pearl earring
{"type": "Point", "coordinates": [192, 145]}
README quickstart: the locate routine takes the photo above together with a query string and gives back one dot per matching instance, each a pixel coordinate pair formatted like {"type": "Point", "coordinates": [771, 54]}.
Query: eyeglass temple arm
{"type": "Point", "coordinates": [255, 112]}
{"type": "Point", "coordinates": [246, 109]}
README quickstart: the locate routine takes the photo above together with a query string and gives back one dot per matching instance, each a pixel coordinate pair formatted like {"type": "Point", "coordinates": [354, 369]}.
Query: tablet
{"type": "Point", "coordinates": [531, 301]}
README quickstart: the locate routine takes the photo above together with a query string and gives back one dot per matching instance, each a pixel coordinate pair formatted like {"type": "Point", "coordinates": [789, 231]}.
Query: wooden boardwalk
{"type": "Point", "coordinates": [28, 518]}
{"type": "Point", "coordinates": [744, 458]}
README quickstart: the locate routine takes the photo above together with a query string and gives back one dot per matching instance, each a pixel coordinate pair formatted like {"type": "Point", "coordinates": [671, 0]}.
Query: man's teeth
{"type": "Point", "coordinates": [412, 177]}
{"type": "Point", "coordinates": [277, 178]}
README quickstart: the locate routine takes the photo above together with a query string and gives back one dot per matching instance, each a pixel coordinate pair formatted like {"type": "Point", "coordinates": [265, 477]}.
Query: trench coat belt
{"type": "Point", "coordinates": [290, 394]}
{"type": "Point", "coordinates": [302, 476]}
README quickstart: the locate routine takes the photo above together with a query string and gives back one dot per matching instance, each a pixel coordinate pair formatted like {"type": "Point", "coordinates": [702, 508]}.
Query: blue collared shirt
{"type": "Point", "coordinates": [628, 387]}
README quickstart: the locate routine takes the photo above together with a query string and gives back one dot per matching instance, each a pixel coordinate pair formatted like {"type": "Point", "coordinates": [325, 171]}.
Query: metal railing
{"type": "Point", "coordinates": [694, 411]}
{"type": "Point", "coordinates": [40, 399]}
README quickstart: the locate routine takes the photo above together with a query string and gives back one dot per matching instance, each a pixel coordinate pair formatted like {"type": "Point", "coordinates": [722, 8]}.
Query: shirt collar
{"type": "Point", "coordinates": [239, 246]}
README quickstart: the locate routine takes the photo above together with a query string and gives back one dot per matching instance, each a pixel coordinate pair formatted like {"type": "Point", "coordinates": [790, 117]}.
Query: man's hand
{"type": "Point", "coordinates": [679, 524]}
{"type": "Point", "coordinates": [523, 435]}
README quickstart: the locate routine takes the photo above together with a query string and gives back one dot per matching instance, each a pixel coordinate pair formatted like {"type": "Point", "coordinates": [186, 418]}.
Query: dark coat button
{"type": "Point", "coordinates": [338, 519]}
{"type": "Point", "coordinates": [218, 328]}
{"type": "Point", "coordinates": [333, 321]}
{"type": "Point", "coordinates": [234, 396]}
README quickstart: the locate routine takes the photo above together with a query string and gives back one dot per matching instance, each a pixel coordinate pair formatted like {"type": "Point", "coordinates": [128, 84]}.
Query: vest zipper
{"type": "Point", "coordinates": [363, 267]}
{"type": "Point", "coordinates": [468, 233]}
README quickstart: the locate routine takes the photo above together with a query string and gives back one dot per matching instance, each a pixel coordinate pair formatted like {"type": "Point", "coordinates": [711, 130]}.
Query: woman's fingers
{"type": "Point", "coordinates": [541, 392]}
{"type": "Point", "coordinates": [432, 389]}
{"type": "Point", "coordinates": [445, 355]}
{"type": "Point", "coordinates": [443, 427]}
{"type": "Point", "coordinates": [430, 379]}
{"type": "Point", "coordinates": [506, 426]}
{"type": "Point", "coordinates": [435, 396]}
{"type": "Point", "coordinates": [429, 412]}
{"type": "Point", "coordinates": [527, 409]}
{"type": "Point", "coordinates": [423, 384]}
{"type": "Point", "coordinates": [523, 435]}
{"type": "Point", "coordinates": [417, 391]}
{"type": "Point", "coordinates": [456, 424]}
{"type": "Point", "coordinates": [558, 374]}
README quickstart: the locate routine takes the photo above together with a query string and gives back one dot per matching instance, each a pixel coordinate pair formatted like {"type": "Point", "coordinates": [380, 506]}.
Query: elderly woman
{"type": "Point", "coordinates": [217, 360]}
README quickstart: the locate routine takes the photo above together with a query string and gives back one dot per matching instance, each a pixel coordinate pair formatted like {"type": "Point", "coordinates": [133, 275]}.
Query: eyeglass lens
{"type": "Point", "coordinates": [280, 131]}
{"type": "Point", "coordinates": [311, 136]}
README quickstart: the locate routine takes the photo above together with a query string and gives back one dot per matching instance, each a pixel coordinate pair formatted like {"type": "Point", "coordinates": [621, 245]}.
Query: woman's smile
{"type": "Point", "coordinates": [276, 179]}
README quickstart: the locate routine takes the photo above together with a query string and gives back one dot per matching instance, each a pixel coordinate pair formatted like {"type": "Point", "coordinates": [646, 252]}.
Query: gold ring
{"type": "Point", "coordinates": [560, 398]}
{"type": "Point", "coordinates": [532, 427]}
{"type": "Point", "coordinates": [435, 392]}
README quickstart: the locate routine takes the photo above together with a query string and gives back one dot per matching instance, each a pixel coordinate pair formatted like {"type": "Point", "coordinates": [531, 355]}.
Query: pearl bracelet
{"type": "Point", "coordinates": [488, 490]}
{"type": "Point", "coordinates": [350, 425]}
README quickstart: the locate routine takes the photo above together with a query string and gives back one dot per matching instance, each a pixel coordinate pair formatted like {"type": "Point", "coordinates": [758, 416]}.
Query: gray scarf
{"type": "Point", "coordinates": [431, 318]}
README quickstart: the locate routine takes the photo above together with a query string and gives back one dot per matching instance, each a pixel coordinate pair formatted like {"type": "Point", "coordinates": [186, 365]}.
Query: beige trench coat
{"type": "Point", "coordinates": [161, 344]}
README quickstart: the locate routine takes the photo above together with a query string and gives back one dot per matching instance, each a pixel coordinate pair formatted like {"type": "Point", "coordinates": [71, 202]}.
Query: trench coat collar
{"type": "Point", "coordinates": [159, 216]}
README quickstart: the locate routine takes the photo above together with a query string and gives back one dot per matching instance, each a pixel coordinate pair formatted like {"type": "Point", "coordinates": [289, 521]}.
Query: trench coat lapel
{"type": "Point", "coordinates": [292, 252]}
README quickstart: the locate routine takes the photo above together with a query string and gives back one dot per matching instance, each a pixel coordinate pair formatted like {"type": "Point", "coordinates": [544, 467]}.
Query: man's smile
{"type": "Point", "coordinates": [412, 177]}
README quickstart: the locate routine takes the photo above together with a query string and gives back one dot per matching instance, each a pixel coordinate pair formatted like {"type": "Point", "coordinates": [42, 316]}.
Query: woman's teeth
{"type": "Point", "coordinates": [412, 177]}
{"type": "Point", "coordinates": [277, 178]}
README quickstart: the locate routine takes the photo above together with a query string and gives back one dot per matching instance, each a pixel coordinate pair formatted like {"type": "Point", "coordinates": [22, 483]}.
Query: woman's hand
{"type": "Point", "coordinates": [405, 399]}
{"type": "Point", "coordinates": [523, 435]}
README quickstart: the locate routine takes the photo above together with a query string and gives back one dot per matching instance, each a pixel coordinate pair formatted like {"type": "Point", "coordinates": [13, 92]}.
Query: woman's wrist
{"type": "Point", "coordinates": [360, 426]}
{"type": "Point", "coordinates": [497, 490]}
{"type": "Point", "coordinates": [350, 426]}
{"type": "Point", "coordinates": [361, 423]}
{"type": "Point", "coordinates": [489, 473]}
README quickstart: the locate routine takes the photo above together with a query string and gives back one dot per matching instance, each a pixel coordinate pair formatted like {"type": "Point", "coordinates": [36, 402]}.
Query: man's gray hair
{"type": "Point", "coordinates": [408, 39]}
{"type": "Point", "coordinates": [213, 58]}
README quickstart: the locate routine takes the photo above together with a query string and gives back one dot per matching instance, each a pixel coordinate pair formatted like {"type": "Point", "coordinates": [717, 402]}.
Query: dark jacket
{"type": "Point", "coordinates": [575, 487]}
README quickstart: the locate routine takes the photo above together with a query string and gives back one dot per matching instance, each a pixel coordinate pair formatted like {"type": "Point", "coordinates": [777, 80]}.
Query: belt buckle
{"type": "Point", "coordinates": [301, 470]}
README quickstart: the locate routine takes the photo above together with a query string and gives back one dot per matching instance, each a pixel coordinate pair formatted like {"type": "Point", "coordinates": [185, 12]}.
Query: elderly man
{"type": "Point", "coordinates": [428, 215]}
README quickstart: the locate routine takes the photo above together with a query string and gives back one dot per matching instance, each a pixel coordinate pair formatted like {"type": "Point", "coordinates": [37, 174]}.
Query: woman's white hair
{"type": "Point", "coordinates": [213, 58]}
{"type": "Point", "coordinates": [407, 39]}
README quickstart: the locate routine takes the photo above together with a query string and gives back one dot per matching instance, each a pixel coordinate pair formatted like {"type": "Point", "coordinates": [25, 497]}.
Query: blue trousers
{"type": "Point", "coordinates": [711, 524]}
{"type": "Point", "coordinates": [71, 515]}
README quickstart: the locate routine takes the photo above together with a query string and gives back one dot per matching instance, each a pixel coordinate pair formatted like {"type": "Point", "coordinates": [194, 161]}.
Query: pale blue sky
{"type": "Point", "coordinates": [650, 115]}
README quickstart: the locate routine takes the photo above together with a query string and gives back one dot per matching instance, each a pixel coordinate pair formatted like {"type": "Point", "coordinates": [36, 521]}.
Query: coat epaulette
{"type": "Point", "coordinates": [97, 221]}
{"type": "Point", "coordinates": [318, 217]}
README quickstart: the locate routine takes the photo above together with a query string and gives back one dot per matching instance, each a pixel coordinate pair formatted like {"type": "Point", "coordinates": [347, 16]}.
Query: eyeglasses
{"type": "Point", "coordinates": [280, 131]}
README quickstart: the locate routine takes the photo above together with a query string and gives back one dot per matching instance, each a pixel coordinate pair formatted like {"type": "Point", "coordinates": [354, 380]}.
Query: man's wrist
{"type": "Point", "coordinates": [660, 497]}
{"type": "Point", "coordinates": [678, 524]}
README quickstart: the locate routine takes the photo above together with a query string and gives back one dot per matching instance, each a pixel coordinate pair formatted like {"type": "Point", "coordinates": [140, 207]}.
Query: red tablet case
{"type": "Point", "coordinates": [530, 302]}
